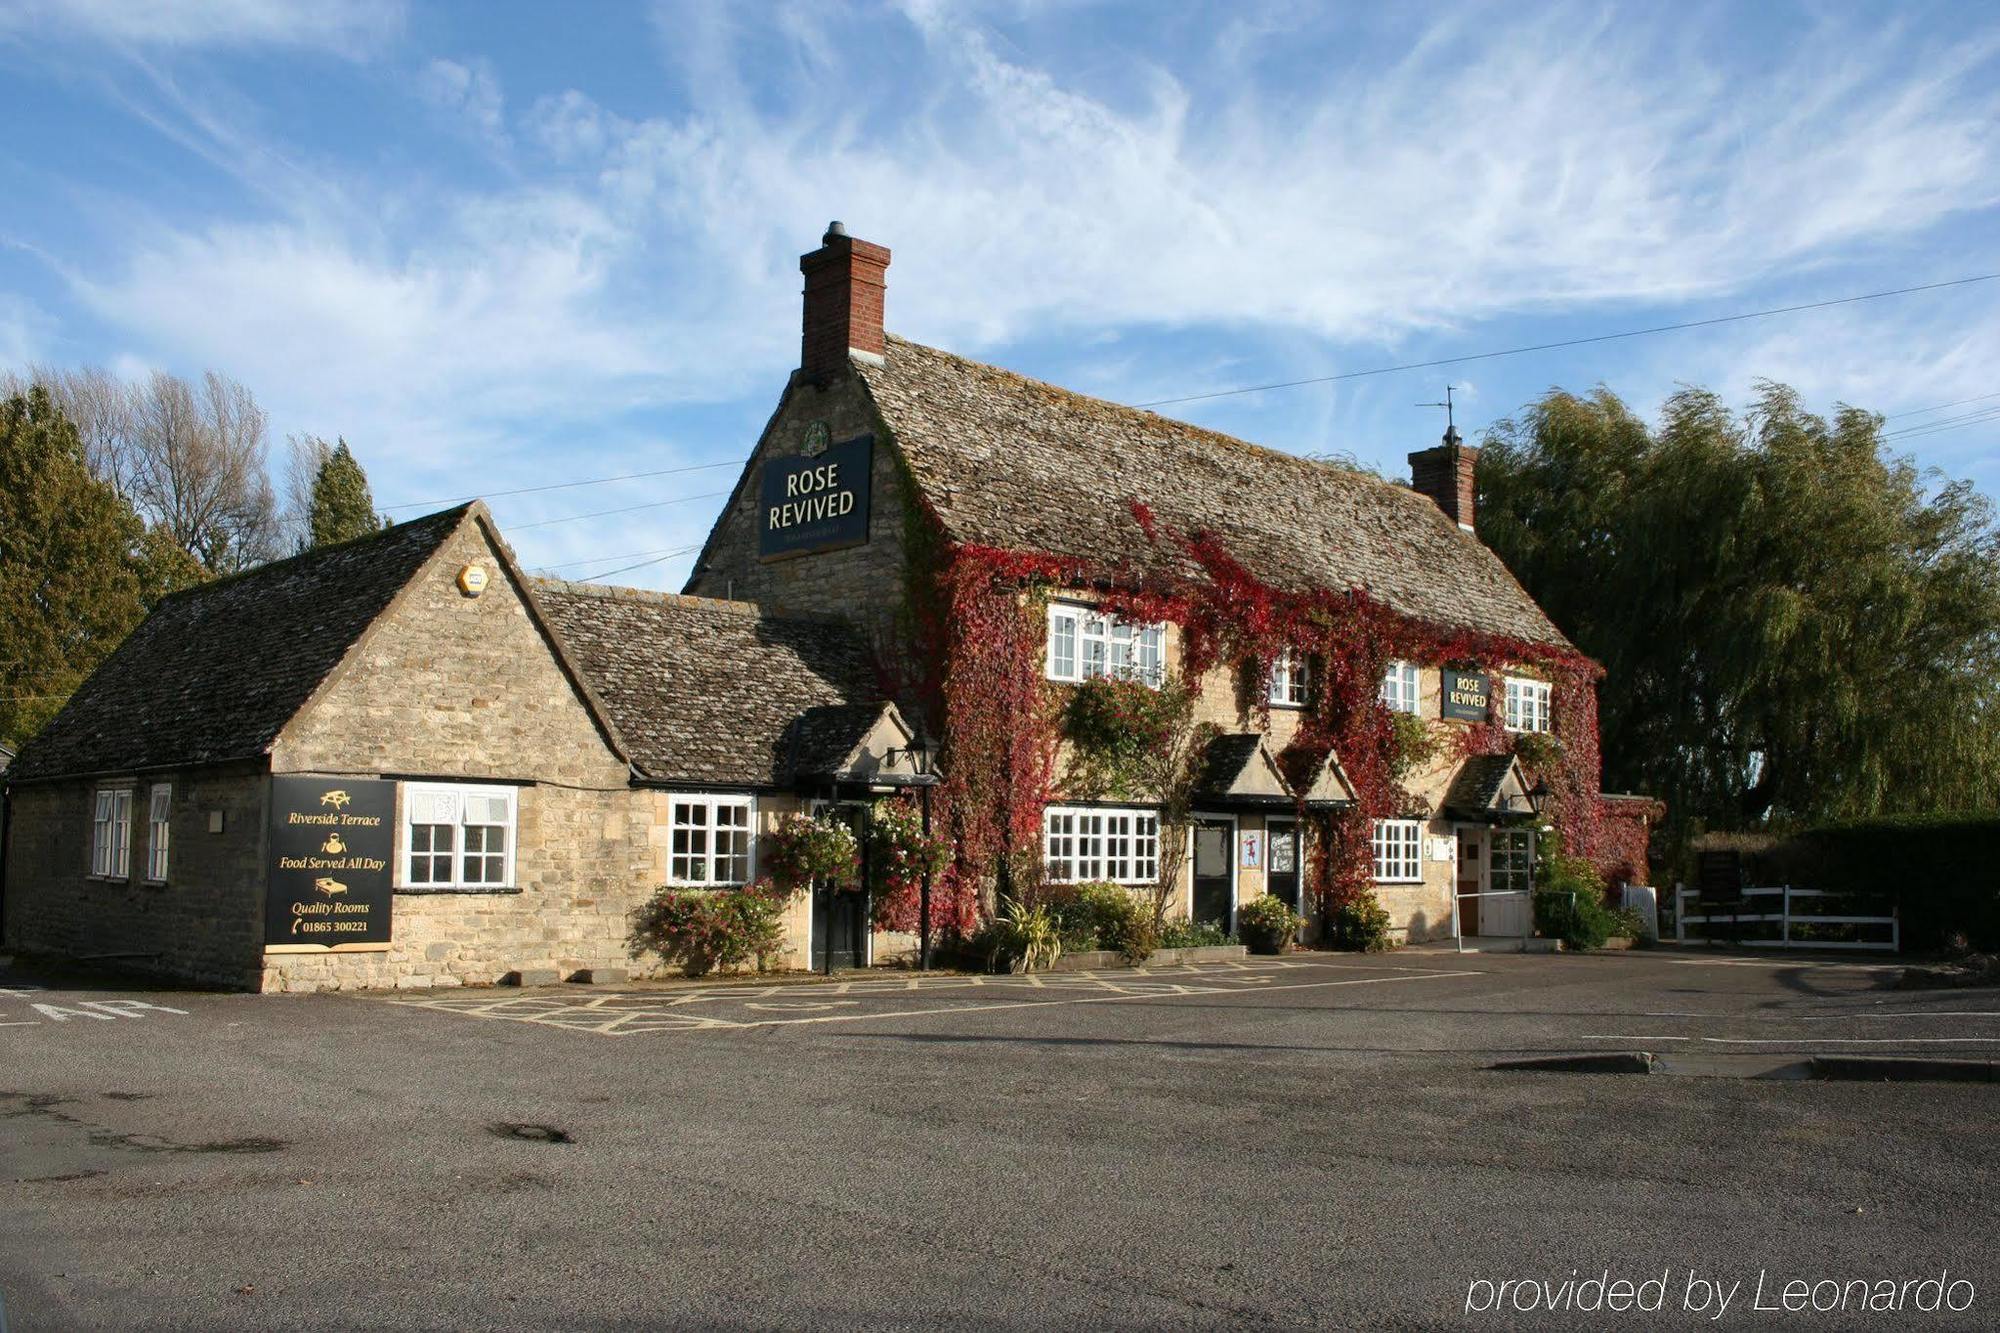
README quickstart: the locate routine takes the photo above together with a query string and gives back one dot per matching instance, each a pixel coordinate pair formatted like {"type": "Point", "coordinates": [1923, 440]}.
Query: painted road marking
{"type": "Point", "coordinates": [627, 1014]}
{"type": "Point", "coordinates": [103, 1011]}
{"type": "Point", "coordinates": [1800, 1041]}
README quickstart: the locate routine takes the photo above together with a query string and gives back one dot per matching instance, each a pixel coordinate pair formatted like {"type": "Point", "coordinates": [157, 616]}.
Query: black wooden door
{"type": "Point", "coordinates": [1212, 839]}
{"type": "Point", "coordinates": [840, 922]}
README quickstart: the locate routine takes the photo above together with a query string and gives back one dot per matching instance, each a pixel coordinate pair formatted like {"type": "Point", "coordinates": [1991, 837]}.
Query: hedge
{"type": "Point", "coordinates": [1941, 871]}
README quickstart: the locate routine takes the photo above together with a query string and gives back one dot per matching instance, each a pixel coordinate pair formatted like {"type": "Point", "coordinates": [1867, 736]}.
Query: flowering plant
{"type": "Point", "coordinates": [804, 850]}
{"type": "Point", "coordinates": [703, 929]}
{"type": "Point", "coordinates": [898, 855]}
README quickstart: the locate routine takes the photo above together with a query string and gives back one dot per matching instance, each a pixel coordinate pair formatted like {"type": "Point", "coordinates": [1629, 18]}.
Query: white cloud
{"type": "Point", "coordinates": [469, 90]}
{"type": "Point", "coordinates": [1555, 163]}
{"type": "Point", "coordinates": [346, 26]}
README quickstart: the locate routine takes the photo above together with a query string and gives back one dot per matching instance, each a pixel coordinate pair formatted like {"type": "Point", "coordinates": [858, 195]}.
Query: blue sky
{"type": "Point", "coordinates": [500, 245]}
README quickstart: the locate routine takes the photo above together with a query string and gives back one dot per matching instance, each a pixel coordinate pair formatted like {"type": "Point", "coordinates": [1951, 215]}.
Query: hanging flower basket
{"type": "Point", "coordinates": [803, 851]}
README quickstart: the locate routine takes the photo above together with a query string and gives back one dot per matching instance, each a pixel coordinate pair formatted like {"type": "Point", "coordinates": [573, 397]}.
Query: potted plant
{"type": "Point", "coordinates": [1267, 926]}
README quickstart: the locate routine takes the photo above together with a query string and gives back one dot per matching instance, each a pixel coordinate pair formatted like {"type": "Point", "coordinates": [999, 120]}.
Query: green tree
{"type": "Point", "coordinates": [76, 564]}
{"type": "Point", "coordinates": [342, 508]}
{"type": "Point", "coordinates": [1796, 624]}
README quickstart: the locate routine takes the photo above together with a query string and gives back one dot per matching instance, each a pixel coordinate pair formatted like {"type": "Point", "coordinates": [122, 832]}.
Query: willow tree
{"type": "Point", "coordinates": [1796, 623]}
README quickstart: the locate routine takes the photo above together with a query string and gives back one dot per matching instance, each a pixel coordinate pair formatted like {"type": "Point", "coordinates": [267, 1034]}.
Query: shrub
{"type": "Point", "coordinates": [1938, 871]}
{"type": "Point", "coordinates": [1267, 925]}
{"type": "Point", "coordinates": [703, 929]}
{"type": "Point", "coordinates": [1111, 917]}
{"type": "Point", "coordinates": [1360, 924]}
{"type": "Point", "coordinates": [1020, 939]}
{"type": "Point", "coordinates": [1185, 934]}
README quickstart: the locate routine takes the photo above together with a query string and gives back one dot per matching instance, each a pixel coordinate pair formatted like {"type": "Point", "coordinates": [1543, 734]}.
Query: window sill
{"type": "Point", "coordinates": [1290, 708]}
{"type": "Point", "coordinates": [428, 890]}
{"type": "Point", "coordinates": [1400, 883]}
{"type": "Point", "coordinates": [121, 880]}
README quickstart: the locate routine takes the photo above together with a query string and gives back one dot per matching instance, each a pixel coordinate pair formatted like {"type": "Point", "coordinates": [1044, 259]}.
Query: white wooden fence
{"type": "Point", "coordinates": [1785, 918]}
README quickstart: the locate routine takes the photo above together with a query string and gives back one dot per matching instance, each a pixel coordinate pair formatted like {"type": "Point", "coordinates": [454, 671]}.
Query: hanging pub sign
{"type": "Point", "coordinates": [1465, 695]}
{"type": "Point", "coordinates": [328, 886]}
{"type": "Point", "coordinates": [817, 501]}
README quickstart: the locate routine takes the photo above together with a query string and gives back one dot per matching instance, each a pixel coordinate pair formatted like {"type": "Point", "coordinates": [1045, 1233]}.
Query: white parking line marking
{"type": "Point", "coordinates": [626, 1014]}
{"type": "Point", "coordinates": [1797, 1041]}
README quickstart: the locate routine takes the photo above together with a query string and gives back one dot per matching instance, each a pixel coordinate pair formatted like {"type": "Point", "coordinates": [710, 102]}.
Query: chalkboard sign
{"type": "Point", "coordinates": [816, 502]}
{"type": "Point", "coordinates": [331, 843]}
{"type": "Point", "coordinates": [1465, 696]}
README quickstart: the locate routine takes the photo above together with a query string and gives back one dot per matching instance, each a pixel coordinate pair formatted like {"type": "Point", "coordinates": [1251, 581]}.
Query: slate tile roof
{"type": "Point", "coordinates": [216, 671]}
{"type": "Point", "coordinates": [1012, 462]}
{"type": "Point", "coordinates": [706, 691]}
{"type": "Point", "coordinates": [823, 738]}
{"type": "Point", "coordinates": [1475, 791]}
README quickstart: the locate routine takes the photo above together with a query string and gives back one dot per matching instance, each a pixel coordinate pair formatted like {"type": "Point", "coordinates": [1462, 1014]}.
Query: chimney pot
{"type": "Point", "coordinates": [844, 286]}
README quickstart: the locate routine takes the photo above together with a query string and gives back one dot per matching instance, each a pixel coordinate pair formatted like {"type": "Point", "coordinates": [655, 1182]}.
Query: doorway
{"type": "Point", "coordinates": [1284, 862]}
{"type": "Point", "coordinates": [1215, 871]}
{"type": "Point", "coordinates": [1499, 864]}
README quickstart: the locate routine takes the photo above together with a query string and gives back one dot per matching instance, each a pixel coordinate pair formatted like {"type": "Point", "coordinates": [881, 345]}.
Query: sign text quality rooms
{"type": "Point", "coordinates": [818, 501]}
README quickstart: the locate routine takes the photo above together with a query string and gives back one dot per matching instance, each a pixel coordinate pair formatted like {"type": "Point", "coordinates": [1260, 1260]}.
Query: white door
{"type": "Point", "coordinates": [1510, 869]}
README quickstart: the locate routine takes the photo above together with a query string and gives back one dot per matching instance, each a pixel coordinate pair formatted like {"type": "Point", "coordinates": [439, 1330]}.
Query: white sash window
{"type": "Point", "coordinates": [1527, 705]}
{"type": "Point", "coordinates": [1290, 678]}
{"type": "Point", "coordinates": [458, 837]}
{"type": "Point", "coordinates": [1085, 644]}
{"type": "Point", "coordinates": [158, 808]}
{"type": "Point", "coordinates": [111, 834]}
{"type": "Point", "coordinates": [1400, 689]}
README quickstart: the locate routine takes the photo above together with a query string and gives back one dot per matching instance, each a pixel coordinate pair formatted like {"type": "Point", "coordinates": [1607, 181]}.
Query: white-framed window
{"type": "Point", "coordinates": [1085, 643]}
{"type": "Point", "coordinates": [111, 833]}
{"type": "Point", "coordinates": [159, 805]}
{"type": "Point", "coordinates": [1400, 688]}
{"type": "Point", "coordinates": [458, 837]}
{"type": "Point", "coordinates": [1527, 705]}
{"type": "Point", "coordinates": [1080, 844]}
{"type": "Point", "coordinates": [1291, 676]}
{"type": "Point", "coordinates": [711, 839]}
{"type": "Point", "coordinates": [1511, 860]}
{"type": "Point", "coordinates": [1399, 851]}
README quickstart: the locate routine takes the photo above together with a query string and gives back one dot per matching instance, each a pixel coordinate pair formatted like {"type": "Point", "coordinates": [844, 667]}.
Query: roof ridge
{"type": "Point", "coordinates": [725, 605]}
{"type": "Point", "coordinates": [238, 576]}
{"type": "Point", "coordinates": [1148, 415]}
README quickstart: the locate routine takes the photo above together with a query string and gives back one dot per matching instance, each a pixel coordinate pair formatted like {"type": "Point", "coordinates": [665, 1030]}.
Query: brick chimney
{"type": "Point", "coordinates": [844, 283]}
{"type": "Point", "coordinates": [1444, 472]}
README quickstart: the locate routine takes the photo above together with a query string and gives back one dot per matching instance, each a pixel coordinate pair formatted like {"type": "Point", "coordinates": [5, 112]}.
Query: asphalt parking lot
{"type": "Point", "coordinates": [1312, 1141]}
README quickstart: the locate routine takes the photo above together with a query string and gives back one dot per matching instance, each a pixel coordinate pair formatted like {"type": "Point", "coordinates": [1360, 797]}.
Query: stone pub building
{"type": "Point", "coordinates": [401, 761]}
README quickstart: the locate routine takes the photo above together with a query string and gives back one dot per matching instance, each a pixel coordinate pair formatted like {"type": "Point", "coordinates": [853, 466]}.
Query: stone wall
{"type": "Point", "coordinates": [205, 923]}
{"type": "Point", "coordinates": [865, 583]}
{"type": "Point", "coordinates": [447, 687]}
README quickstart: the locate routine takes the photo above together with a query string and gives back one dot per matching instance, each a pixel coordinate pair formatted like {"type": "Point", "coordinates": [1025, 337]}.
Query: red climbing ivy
{"type": "Point", "coordinates": [978, 623]}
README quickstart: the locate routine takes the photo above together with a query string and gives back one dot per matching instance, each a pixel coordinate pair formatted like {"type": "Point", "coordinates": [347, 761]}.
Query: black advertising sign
{"type": "Point", "coordinates": [1465, 695]}
{"type": "Point", "coordinates": [330, 846]}
{"type": "Point", "coordinates": [817, 501]}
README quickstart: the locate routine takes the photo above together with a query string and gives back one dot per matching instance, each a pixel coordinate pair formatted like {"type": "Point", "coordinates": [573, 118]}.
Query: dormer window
{"type": "Point", "coordinates": [1086, 644]}
{"type": "Point", "coordinates": [1291, 677]}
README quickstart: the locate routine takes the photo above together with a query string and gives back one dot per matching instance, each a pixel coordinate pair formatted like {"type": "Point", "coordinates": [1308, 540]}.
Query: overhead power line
{"type": "Point", "coordinates": [656, 560]}
{"type": "Point", "coordinates": [606, 513]}
{"type": "Point", "coordinates": [1572, 342]}
{"type": "Point", "coordinates": [600, 559]}
{"type": "Point", "coordinates": [1949, 423]}
{"type": "Point", "coordinates": [566, 485]}
{"type": "Point", "coordinates": [1939, 407]}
